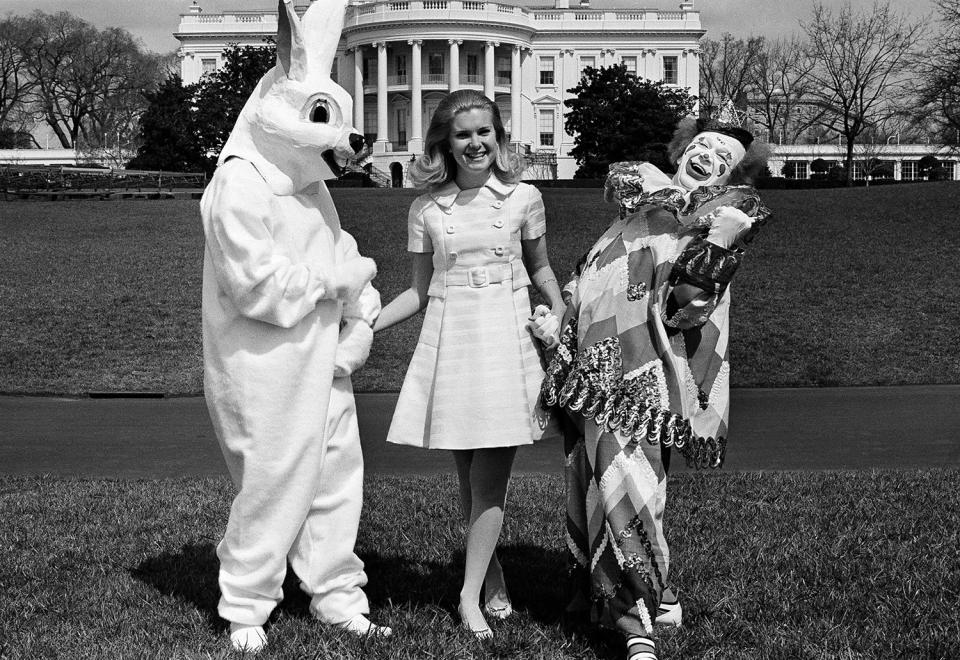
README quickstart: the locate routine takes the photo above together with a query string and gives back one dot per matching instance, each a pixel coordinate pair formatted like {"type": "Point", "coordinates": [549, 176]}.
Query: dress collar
{"type": "Point", "coordinates": [446, 194]}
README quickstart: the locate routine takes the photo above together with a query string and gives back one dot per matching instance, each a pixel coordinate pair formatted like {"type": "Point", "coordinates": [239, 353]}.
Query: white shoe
{"type": "Point", "coordinates": [669, 615]}
{"type": "Point", "coordinates": [361, 625]}
{"type": "Point", "coordinates": [249, 639]}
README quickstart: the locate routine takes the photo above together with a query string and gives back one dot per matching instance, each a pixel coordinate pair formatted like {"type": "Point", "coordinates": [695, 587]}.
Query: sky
{"type": "Point", "coordinates": [154, 21]}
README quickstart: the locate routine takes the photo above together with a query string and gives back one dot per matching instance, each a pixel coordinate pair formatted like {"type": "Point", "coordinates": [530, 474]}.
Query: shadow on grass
{"type": "Point", "coordinates": [535, 576]}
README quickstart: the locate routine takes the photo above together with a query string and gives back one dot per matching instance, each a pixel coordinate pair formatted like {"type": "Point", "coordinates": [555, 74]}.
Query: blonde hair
{"type": "Point", "coordinates": [437, 167]}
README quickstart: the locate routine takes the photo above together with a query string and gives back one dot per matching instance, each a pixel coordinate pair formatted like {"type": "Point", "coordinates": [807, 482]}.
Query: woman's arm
{"type": "Point", "coordinates": [411, 300]}
{"type": "Point", "coordinates": [541, 274]}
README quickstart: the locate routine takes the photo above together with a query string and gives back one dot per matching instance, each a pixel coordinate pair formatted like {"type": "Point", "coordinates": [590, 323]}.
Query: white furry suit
{"type": "Point", "coordinates": [287, 310]}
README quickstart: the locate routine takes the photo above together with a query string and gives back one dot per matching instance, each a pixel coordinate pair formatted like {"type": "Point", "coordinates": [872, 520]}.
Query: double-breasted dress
{"type": "Point", "coordinates": [475, 374]}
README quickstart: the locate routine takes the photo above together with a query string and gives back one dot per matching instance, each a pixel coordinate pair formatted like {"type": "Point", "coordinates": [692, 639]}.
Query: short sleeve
{"type": "Point", "coordinates": [535, 217]}
{"type": "Point", "coordinates": [418, 239]}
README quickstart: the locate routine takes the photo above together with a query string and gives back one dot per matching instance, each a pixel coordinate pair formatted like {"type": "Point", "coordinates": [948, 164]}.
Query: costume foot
{"type": "Point", "coordinates": [669, 614]}
{"type": "Point", "coordinates": [474, 622]}
{"type": "Point", "coordinates": [641, 648]}
{"type": "Point", "coordinates": [361, 625]}
{"type": "Point", "coordinates": [249, 639]}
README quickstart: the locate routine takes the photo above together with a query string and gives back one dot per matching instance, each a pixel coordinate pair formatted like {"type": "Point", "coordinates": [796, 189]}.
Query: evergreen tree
{"type": "Point", "coordinates": [617, 116]}
{"type": "Point", "coordinates": [168, 132]}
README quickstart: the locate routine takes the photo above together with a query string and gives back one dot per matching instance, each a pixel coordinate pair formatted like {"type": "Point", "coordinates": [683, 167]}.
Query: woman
{"type": "Point", "coordinates": [478, 240]}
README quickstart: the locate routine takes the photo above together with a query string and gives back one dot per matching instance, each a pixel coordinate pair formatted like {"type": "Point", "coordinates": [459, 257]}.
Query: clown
{"type": "Point", "coordinates": [641, 367]}
{"type": "Point", "coordinates": [287, 315]}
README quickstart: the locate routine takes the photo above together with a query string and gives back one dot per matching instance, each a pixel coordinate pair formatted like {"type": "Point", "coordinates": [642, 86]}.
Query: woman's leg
{"type": "Point", "coordinates": [496, 597]}
{"type": "Point", "coordinates": [484, 476]}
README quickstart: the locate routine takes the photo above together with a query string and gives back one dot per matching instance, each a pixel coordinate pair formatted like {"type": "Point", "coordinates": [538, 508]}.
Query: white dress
{"type": "Point", "coordinates": [475, 375]}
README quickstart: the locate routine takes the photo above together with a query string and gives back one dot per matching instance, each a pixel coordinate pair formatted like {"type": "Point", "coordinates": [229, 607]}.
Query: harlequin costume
{"type": "Point", "coordinates": [638, 372]}
{"type": "Point", "coordinates": [475, 375]}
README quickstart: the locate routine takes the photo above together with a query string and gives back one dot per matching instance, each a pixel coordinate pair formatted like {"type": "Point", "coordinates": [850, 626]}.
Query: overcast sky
{"type": "Point", "coordinates": [154, 21]}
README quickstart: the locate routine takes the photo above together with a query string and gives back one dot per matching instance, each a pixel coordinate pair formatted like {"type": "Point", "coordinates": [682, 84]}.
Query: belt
{"type": "Point", "coordinates": [479, 276]}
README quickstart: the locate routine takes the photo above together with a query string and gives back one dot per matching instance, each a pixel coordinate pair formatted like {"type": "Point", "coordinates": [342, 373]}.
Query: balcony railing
{"type": "Point", "coordinates": [471, 79]}
{"type": "Point", "coordinates": [435, 79]}
{"type": "Point", "coordinates": [397, 80]}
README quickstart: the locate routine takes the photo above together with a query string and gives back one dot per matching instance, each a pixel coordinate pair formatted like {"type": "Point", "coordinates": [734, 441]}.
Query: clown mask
{"type": "Point", "coordinates": [708, 160]}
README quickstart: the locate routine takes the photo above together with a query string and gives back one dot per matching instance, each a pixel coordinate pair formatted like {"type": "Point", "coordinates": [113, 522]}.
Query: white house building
{"type": "Point", "coordinates": [399, 57]}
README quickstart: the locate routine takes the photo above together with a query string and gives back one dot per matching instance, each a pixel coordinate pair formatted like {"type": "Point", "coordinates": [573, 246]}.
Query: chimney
{"type": "Point", "coordinates": [195, 8]}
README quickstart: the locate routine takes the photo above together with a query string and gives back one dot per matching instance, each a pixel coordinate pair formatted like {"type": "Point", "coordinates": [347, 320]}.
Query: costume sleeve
{"type": "Point", "coordinates": [261, 280]}
{"type": "Point", "coordinates": [367, 305]}
{"type": "Point", "coordinates": [534, 222]}
{"type": "Point", "coordinates": [418, 238]}
{"type": "Point", "coordinates": [703, 270]}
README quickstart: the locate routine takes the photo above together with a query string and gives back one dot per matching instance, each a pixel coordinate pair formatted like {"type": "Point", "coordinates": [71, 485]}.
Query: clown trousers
{"type": "Point", "coordinates": [307, 512]}
{"type": "Point", "coordinates": [616, 490]}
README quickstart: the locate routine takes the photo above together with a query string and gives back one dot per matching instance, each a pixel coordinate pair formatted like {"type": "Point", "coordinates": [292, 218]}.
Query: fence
{"type": "Point", "coordinates": [24, 181]}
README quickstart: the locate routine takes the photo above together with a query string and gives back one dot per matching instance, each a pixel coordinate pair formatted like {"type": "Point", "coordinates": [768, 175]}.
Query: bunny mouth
{"type": "Point", "coordinates": [330, 158]}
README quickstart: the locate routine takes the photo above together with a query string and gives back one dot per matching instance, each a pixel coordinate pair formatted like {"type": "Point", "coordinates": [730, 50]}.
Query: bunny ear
{"type": "Point", "coordinates": [291, 52]}
{"type": "Point", "coordinates": [322, 25]}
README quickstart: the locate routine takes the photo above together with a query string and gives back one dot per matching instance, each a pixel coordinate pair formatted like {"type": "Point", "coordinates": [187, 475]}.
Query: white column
{"type": "Point", "coordinates": [515, 113]}
{"type": "Point", "coordinates": [358, 88]}
{"type": "Point", "coordinates": [415, 143]}
{"type": "Point", "coordinates": [454, 82]}
{"type": "Point", "coordinates": [489, 69]}
{"type": "Point", "coordinates": [898, 169]}
{"type": "Point", "coordinates": [383, 139]}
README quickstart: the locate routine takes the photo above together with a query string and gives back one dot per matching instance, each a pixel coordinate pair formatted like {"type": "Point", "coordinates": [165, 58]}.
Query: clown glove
{"type": "Point", "coordinates": [545, 326]}
{"type": "Point", "coordinates": [727, 226]}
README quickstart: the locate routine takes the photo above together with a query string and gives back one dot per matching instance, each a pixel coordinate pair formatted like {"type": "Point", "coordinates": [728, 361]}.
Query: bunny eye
{"type": "Point", "coordinates": [320, 114]}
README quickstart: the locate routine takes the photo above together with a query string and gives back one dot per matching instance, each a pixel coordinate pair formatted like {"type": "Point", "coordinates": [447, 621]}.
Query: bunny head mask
{"type": "Point", "coordinates": [296, 126]}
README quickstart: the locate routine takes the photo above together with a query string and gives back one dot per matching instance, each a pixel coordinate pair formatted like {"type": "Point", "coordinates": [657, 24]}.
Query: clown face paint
{"type": "Point", "coordinates": [708, 160]}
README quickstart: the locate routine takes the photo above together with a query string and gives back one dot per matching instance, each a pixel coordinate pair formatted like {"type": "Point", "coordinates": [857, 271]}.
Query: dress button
{"type": "Point", "coordinates": [498, 250]}
{"type": "Point", "coordinates": [453, 256]}
{"type": "Point", "coordinates": [447, 209]}
{"type": "Point", "coordinates": [449, 229]}
{"type": "Point", "coordinates": [497, 204]}
{"type": "Point", "coordinates": [498, 224]}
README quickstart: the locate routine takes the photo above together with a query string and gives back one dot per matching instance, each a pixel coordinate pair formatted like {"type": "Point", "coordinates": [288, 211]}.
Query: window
{"type": "Point", "coordinates": [547, 127]}
{"type": "Point", "coordinates": [587, 60]}
{"type": "Point", "coordinates": [473, 69]}
{"type": "Point", "coordinates": [401, 66]}
{"type": "Point", "coordinates": [546, 71]}
{"type": "Point", "coordinates": [909, 170]}
{"type": "Point", "coordinates": [435, 67]}
{"type": "Point", "coordinates": [370, 121]}
{"type": "Point", "coordinates": [670, 70]}
{"type": "Point", "coordinates": [630, 62]}
{"type": "Point", "coordinates": [504, 72]}
{"type": "Point", "coordinates": [402, 128]}
{"type": "Point", "coordinates": [795, 169]}
{"type": "Point", "coordinates": [369, 68]}
{"type": "Point", "coordinates": [208, 66]}
{"type": "Point", "coordinates": [950, 167]}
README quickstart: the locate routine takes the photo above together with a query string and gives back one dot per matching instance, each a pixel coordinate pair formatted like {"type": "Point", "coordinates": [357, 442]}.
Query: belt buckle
{"type": "Point", "coordinates": [478, 277]}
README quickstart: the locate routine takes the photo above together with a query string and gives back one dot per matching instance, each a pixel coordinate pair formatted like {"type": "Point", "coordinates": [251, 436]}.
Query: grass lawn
{"type": "Point", "coordinates": [844, 287]}
{"type": "Point", "coordinates": [829, 565]}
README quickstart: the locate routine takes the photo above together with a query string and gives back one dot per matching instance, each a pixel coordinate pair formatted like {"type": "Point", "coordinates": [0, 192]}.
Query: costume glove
{"type": "Point", "coordinates": [545, 326]}
{"type": "Point", "coordinates": [353, 348]}
{"type": "Point", "coordinates": [347, 281]}
{"type": "Point", "coordinates": [727, 226]}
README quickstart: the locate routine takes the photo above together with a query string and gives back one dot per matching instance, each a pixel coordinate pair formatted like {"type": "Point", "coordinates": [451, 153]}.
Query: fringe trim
{"type": "Point", "coordinates": [592, 385]}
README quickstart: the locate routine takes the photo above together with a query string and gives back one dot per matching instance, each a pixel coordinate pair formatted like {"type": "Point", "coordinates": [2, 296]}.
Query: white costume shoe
{"type": "Point", "coordinates": [669, 614]}
{"type": "Point", "coordinates": [361, 625]}
{"type": "Point", "coordinates": [249, 639]}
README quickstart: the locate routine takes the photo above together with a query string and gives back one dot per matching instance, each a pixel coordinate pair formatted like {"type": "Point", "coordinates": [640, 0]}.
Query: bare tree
{"type": "Point", "coordinates": [15, 84]}
{"type": "Point", "coordinates": [938, 75]}
{"type": "Point", "coordinates": [725, 67]}
{"type": "Point", "coordinates": [88, 82]}
{"type": "Point", "coordinates": [780, 83]}
{"type": "Point", "coordinates": [860, 65]}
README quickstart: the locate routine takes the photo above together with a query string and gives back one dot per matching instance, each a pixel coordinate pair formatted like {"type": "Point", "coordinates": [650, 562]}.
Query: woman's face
{"type": "Point", "coordinates": [473, 143]}
{"type": "Point", "coordinates": [708, 160]}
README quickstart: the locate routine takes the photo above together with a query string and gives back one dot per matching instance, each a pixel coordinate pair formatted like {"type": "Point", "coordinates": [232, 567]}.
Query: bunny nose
{"type": "Point", "coordinates": [356, 142]}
